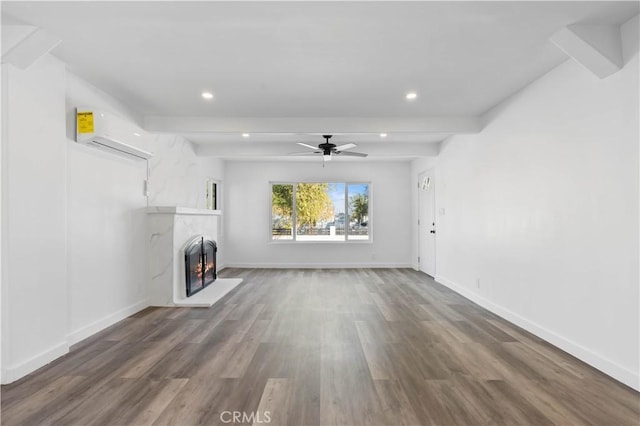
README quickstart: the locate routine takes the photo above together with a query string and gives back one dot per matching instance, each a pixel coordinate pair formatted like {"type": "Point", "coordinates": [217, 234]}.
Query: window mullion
{"type": "Point", "coordinates": [346, 211]}
{"type": "Point", "coordinates": [294, 214]}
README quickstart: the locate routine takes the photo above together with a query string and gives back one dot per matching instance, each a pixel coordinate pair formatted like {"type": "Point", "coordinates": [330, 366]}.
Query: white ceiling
{"type": "Point", "coordinates": [288, 71]}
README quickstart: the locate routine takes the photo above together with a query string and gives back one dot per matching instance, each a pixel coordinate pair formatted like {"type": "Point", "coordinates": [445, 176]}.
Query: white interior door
{"type": "Point", "coordinates": [427, 222]}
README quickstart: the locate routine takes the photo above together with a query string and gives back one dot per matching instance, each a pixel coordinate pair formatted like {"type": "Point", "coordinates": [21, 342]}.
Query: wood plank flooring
{"type": "Point", "coordinates": [319, 347]}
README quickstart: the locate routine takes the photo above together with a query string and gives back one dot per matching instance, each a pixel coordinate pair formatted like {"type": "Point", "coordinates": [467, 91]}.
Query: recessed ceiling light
{"type": "Point", "coordinates": [245, 135]}
{"type": "Point", "coordinates": [383, 135]}
{"type": "Point", "coordinates": [411, 96]}
{"type": "Point", "coordinates": [207, 95]}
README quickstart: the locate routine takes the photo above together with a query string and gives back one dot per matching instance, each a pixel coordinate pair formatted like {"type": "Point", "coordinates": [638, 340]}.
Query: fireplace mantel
{"type": "Point", "coordinates": [169, 228]}
{"type": "Point", "coordinates": [182, 210]}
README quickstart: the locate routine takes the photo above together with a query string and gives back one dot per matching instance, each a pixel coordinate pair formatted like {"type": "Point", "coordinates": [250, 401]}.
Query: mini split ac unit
{"type": "Point", "coordinates": [110, 132]}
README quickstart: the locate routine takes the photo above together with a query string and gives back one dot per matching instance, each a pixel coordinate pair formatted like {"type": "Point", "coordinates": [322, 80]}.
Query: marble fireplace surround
{"type": "Point", "coordinates": [169, 230]}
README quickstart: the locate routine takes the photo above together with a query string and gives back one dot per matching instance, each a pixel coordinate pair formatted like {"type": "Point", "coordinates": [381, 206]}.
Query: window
{"type": "Point", "coordinates": [212, 194]}
{"type": "Point", "coordinates": [320, 211]}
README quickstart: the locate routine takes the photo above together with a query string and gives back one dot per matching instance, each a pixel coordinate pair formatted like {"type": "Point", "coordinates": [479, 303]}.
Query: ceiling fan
{"type": "Point", "coordinates": [328, 149]}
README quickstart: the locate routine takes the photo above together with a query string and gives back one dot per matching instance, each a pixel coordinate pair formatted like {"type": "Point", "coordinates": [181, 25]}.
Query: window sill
{"type": "Point", "coordinates": [369, 241]}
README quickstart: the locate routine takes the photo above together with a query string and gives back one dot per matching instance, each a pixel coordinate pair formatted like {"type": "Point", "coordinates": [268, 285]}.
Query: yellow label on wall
{"type": "Point", "coordinates": [85, 122]}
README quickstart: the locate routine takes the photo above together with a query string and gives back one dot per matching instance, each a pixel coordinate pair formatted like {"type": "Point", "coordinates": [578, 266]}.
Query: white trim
{"type": "Point", "coordinates": [99, 325]}
{"type": "Point", "coordinates": [595, 360]}
{"type": "Point", "coordinates": [298, 242]}
{"type": "Point", "coordinates": [16, 372]}
{"type": "Point", "coordinates": [294, 218]}
{"type": "Point", "coordinates": [317, 265]}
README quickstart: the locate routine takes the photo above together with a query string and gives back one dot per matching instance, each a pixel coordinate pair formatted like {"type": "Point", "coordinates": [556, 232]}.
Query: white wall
{"type": "Point", "coordinates": [542, 207]}
{"type": "Point", "coordinates": [105, 223]}
{"type": "Point", "coordinates": [106, 213]}
{"type": "Point", "coordinates": [34, 274]}
{"type": "Point", "coordinates": [247, 207]}
{"type": "Point", "coordinates": [80, 211]}
{"type": "Point", "coordinates": [178, 175]}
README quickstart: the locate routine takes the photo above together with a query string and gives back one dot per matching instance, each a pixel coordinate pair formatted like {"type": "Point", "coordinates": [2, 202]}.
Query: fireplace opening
{"type": "Point", "coordinates": [200, 264]}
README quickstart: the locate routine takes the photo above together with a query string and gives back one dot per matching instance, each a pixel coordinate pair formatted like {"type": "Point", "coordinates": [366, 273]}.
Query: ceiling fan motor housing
{"type": "Point", "coordinates": [326, 148]}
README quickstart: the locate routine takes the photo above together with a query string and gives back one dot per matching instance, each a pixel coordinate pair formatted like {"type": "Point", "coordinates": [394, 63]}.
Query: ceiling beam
{"type": "Point", "coordinates": [313, 125]}
{"type": "Point", "coordinates": [597, 47]}
{"type": "Point", "coordinates": [34, 45]}
{"type": "Point", "coordinates": [14, 34]}
{"type": "Point", "coordinates": [374, 150]}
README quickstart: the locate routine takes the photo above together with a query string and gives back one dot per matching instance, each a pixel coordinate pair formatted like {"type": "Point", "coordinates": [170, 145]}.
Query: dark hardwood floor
{"type": "Point", "coordinates": [320, 347]}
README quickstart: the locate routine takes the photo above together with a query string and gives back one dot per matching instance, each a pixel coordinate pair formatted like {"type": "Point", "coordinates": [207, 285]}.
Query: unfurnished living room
{"type": "Point", "coordinates": [320, 213]}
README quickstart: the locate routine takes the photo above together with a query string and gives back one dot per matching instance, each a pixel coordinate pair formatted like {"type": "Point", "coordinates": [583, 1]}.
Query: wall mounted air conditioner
{"type": "Point", "coordinates": [110, 132]}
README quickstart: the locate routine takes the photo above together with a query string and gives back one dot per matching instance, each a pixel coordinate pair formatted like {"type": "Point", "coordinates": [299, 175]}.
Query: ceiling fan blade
{"type": "Point", "coordinates": [351, 154]}
{"type": "Point", "coordinates": [307, 145]}
{"type": "Point", "coordinates": [345, 146]}
{"type": "Point", "coordinates": [327, 149]}
{"type": "Point", "coordinates": [305, 153]}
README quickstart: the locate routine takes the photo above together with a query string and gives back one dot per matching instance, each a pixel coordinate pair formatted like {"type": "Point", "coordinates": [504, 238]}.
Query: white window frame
{"type": "Point", "coordinates": [294, 221]}
{"type": "Point", "coordinates": [218, 199]}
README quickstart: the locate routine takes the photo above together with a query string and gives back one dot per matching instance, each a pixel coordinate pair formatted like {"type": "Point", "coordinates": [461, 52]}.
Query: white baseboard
{"type": "Point", "coordinates": [317, 265]}
{"type": "Point", "coordinates": [13, 373]}
{"type": "Point", "coordinates": [590, 357]}
{"type": "Point", "coordinates": [99, 325]}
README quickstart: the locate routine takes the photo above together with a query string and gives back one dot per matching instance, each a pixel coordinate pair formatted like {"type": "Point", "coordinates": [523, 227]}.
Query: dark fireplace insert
{"type": "Point", "coordinates": [200, 264]}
